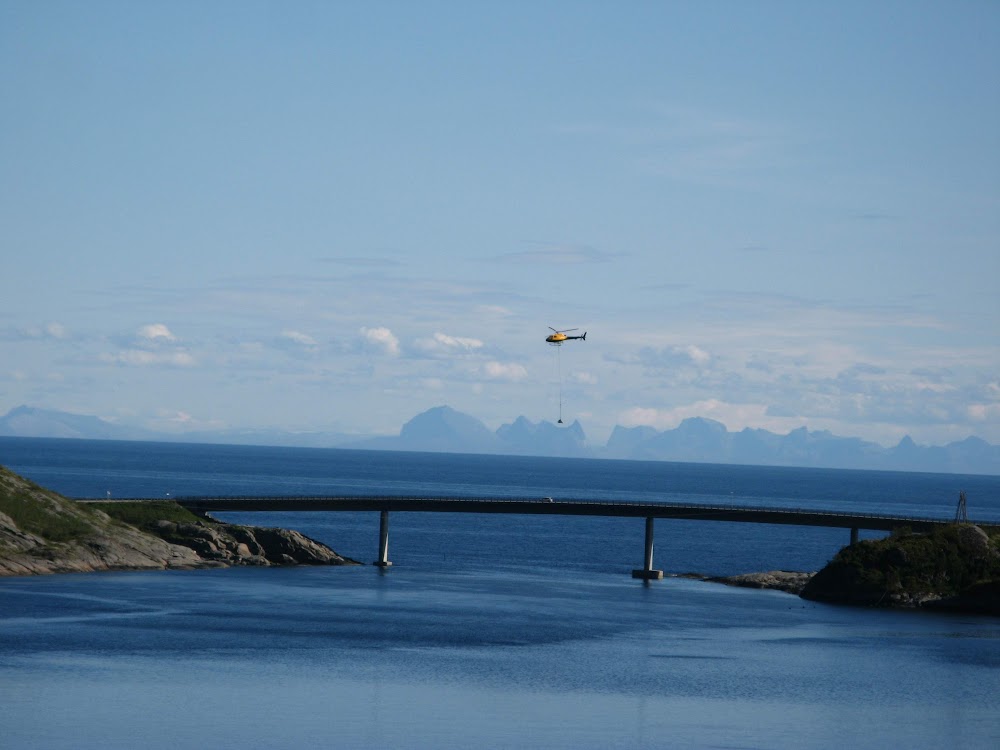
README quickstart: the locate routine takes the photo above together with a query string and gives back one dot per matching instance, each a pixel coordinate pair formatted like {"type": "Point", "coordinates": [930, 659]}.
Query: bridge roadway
{"type": "Point", "coordinates": [562, 506]}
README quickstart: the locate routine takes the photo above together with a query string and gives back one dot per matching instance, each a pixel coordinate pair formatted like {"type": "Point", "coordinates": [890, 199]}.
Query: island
{"type": "Point", "coordinates": [43, 532]}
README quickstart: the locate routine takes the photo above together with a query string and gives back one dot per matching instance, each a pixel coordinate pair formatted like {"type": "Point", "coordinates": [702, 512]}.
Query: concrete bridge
{"type": "Point", "coordinates": [548, 506]}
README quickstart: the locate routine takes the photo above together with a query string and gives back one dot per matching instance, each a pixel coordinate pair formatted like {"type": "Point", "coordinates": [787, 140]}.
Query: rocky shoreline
{"type": "Point", "coordinates": [42, 532]}
{"type": "Point", "coordinates": [789, 581]}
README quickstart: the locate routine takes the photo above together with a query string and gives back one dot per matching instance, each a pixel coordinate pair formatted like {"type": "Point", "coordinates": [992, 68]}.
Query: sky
{"type": "Point", "coordinates": [333, 216]}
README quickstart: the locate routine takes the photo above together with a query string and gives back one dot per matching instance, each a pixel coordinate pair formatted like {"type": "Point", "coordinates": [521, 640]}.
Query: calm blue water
{"type": "Point", "coordinates": [489, 631]}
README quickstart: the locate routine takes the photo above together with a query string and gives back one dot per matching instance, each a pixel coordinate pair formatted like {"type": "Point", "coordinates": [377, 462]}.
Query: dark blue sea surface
{"type": "Point", "coordinates": [488, 631]}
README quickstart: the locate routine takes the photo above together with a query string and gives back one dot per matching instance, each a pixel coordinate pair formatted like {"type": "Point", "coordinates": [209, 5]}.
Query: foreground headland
{"type": "Point", "coordinates": [42, 532]}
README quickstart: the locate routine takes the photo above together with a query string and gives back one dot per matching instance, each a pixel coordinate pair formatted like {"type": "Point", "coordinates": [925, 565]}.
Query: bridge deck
{"type": "Point", "coordinates": [534, 506]}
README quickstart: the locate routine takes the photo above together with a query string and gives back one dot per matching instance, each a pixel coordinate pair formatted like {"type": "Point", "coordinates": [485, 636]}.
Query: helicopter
{"type": "Point", "coordinates": [557, 337]}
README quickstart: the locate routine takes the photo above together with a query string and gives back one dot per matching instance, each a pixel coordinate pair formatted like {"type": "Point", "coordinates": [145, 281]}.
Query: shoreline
{"type": "Point", "coordinates": [787, 581]}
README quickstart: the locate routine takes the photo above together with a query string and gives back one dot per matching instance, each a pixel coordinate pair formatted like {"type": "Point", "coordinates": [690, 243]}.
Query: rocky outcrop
{"type": "Point", "coordinates": [42, 532]}
{"type": "Point", "coordinates": [247, 545]}
{"type": "Point", "coordinates": [955, 567]}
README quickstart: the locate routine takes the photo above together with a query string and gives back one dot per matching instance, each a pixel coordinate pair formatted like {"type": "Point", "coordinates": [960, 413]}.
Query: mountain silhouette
{"type": "Point", "coordinates": [28, 421]}
{"type": "Point", "coordinates": [443, 429]}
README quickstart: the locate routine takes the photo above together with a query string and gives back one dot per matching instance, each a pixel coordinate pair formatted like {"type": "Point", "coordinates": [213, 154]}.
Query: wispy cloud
{"type": "Point", "coordinates": [695, 145]}
{"type": "Point", "coordinates": [734, 416]}
{"type": "Point", "coordinates": [498, 311]}
{"type": "Point", "coordinates": [675, 356]}
{"type": "Point", "coordinates": [665, 287]}
{"type": "Point", "coordinates": [51, 330]}
{"type": "Point", "coordinates": [441, 344]}
{"type": "Point", "coordinates": [554, 254]}
{"type": "Point", "coordinates": [298, 338]}
{"type": "Point", "coordinates": [173, 420]}
{"type": "Point", "coordinates": [152, 345]}
{"type": "Point", "coordinates": [668, 357]}
{"type": "Point", "coordinates": [873, 216]}
{"type": "Point", "coordinates": [146, 358]}
{"type": "Point", "coordinates": [361, 261]}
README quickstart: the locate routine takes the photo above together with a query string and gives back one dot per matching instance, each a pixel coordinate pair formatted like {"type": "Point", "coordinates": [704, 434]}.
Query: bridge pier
{"type": "Point", "coordinates": [647, 572]}
{"type": "Point", "coordinates": [854, 535]}
{"type": "Point", "coordinates": [383, 541]}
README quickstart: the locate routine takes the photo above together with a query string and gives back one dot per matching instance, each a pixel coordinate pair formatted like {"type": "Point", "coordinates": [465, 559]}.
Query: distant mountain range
{"type": "Point", "coordinates": [27, 421]}
{"type": "Point", "coordinates": [705, 440]}
{"type": "Point", "coordinates": [443, 429]}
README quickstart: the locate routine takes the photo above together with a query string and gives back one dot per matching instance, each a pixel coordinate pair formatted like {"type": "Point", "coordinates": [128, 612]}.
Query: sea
{"type": "Point", "coordinates": [488, 631]}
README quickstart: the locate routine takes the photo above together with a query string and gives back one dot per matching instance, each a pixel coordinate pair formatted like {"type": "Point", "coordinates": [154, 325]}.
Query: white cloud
{"type": "Point", "coordinates": [381, 338]}
{"type": "Point", "coordinates": [505, 371]}
{"type": "Point", "coordinates": [585, 378]}
{"type": "Point", "coordinates": [297, 337]}
{"type": "Point", "coordinates": [56, 330]}
{"type": "Point", "coordinates": [699, 356]}
{"type": "Point", "coordinates": [155, 332]}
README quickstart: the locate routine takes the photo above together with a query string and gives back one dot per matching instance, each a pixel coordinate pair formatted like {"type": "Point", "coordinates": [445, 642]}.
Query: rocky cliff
{"type": "Point", "coordinates": [43, 532]}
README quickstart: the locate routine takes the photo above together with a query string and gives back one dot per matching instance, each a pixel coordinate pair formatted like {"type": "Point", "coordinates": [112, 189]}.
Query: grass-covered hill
{"type": "Point", "coordinates": [953, 567]}
{"type": "Point", "coordinates": [43, 532]}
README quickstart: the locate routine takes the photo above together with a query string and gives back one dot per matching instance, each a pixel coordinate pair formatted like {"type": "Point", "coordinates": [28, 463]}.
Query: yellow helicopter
{"type": "Point", "coordinates": [557, 337]}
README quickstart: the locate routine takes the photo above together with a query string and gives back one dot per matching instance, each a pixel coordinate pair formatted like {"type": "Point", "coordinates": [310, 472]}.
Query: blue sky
{"type": "Point", "coordinates": [333, 216]}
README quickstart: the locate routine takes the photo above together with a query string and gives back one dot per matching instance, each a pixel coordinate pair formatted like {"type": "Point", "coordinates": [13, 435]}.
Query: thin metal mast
{"type": "Point", "coordinates": [962, 513]}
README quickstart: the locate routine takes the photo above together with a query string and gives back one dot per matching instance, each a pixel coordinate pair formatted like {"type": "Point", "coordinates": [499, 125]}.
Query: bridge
{"type": "Point", "coordinates": [549, 506]}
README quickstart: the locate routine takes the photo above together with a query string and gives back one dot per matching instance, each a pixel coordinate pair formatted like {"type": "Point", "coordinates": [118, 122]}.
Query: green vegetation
{"type": "Point", "coordinates": [50, 520]}
{"type": "Point", "coordinates": [145, 515]}
{"type": "Point", "coordinates": [907, 568]}
{"type": "Point", "coordinates": [56, 519]}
